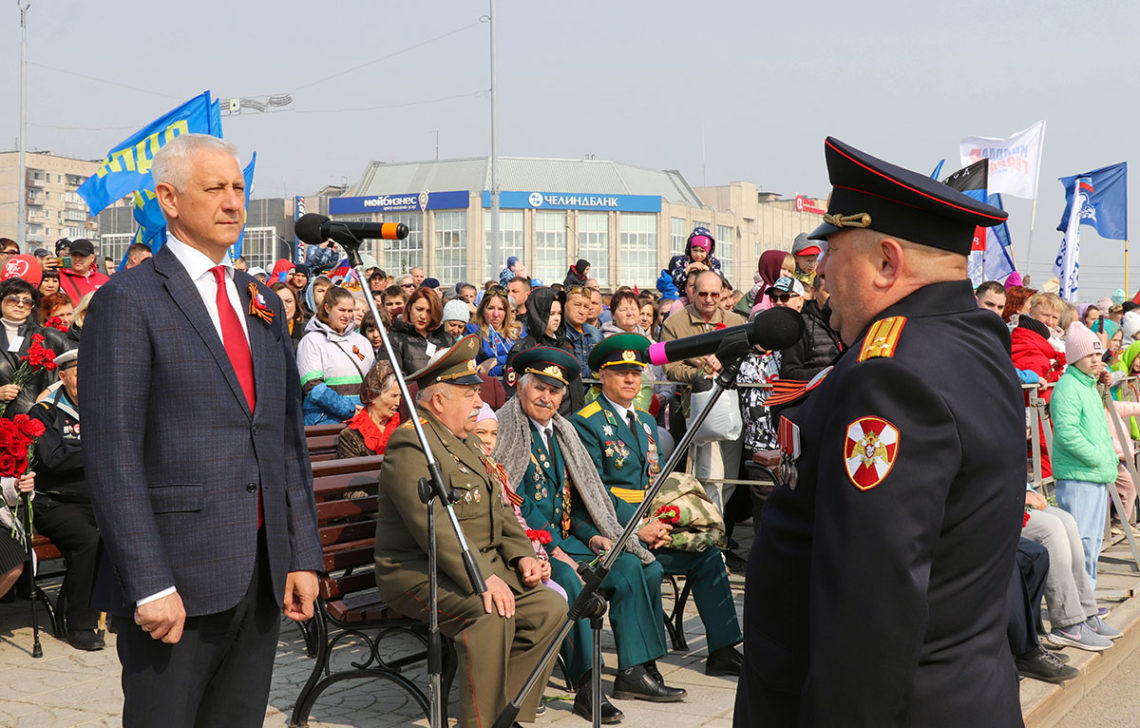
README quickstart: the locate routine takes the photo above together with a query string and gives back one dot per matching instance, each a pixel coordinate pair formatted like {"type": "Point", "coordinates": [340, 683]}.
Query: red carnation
{"type": "Point", "coordinates": [8, 464]}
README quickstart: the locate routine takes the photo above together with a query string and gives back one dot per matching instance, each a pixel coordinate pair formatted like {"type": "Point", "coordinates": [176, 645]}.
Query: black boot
{"type": "Point", "coordinates": [724, 661]}
{"type": "Point", "coordinates": [638, 682]}
{"type": "Point", "coordinates": [583, 703]}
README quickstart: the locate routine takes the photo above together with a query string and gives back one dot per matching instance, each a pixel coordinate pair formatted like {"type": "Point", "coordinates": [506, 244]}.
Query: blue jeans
{"type": "Point", "coordinates": [1088, 504]}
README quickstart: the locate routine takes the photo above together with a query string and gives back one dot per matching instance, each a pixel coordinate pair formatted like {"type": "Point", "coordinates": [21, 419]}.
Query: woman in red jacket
{"type": "Point", "coordinates": [1031, 350]}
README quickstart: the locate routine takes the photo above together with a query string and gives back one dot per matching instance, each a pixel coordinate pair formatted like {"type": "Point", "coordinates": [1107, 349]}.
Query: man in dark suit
{"type": "Point", "coordinates": [196, 458]}
{"type": "Point", "coordinates": [877, 588]}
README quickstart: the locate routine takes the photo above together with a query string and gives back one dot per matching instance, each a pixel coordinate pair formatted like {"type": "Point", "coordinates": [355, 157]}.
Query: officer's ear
{"type": "Point", "coordinates": [889, 259]}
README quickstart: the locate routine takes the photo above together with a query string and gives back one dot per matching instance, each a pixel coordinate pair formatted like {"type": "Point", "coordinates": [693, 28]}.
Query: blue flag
{"type": "Point", "coordinates": [247, 173]}
{"type": "Point", "coordinates": [127, 166]}
{"type": "Point", "coordinates": [996, 261]}
{"type": "Point", "coordinates": [1102, 196]}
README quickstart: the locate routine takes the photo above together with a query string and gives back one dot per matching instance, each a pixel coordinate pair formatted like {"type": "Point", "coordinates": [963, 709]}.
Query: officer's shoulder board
{"type": "Point", "coordinates": [590, 410]}
{"type": "Point", "coordinates": [883, 338]}
{"type": "Point", "coordinates": [408, 424]}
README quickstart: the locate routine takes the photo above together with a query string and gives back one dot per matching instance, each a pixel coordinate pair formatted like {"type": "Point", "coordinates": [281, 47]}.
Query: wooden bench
{"type": "Point", "coordinates": [349, 605]}
{"type": "Point", "coordinates": [321, 440]}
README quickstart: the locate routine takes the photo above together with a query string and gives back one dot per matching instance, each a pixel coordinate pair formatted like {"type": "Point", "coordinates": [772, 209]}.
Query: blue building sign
{"type": "Point", "coordinates": [575, 201]}
{"type": "Point", "coordinates": [459, 199]}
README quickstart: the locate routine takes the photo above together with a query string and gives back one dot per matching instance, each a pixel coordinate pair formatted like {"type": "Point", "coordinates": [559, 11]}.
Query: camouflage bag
{"type": "Point", "coordinates": [699, 524]}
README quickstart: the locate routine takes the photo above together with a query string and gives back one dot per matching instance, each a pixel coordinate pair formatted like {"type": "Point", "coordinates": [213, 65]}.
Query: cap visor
{"type": "Point", "coordinates": [550, 380]}
{"type": "Point", "coordinates": [466, 379]}
{"type": "Point", "coordinates": [821, 232]}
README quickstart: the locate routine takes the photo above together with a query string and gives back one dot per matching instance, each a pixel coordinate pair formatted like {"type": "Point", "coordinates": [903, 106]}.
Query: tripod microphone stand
{"type": "Point", "coordinates": [430, 489]}
{"type": "Point", "coordinates": [589, 604]}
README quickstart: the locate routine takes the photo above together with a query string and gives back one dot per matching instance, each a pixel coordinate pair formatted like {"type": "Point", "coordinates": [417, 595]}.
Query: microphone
{"type": "Point", "coordinates": [774, 329]}
{"type": "Point", "coordinates": [315, 229]}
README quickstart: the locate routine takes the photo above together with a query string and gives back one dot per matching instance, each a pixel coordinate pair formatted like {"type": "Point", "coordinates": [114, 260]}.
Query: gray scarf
{"type": "Point", "coordinates": [513, 451]}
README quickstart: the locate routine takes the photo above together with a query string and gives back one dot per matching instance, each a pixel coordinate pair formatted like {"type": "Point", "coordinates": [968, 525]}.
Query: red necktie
{"type": "Point", "coordinates": [237, 348]}
{"type": "Point", "coordinates": [233, 338]}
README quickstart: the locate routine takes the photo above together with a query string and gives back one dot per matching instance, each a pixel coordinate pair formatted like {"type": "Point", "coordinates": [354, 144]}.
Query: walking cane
{"type": "Point", "coordinates": [37, 650]}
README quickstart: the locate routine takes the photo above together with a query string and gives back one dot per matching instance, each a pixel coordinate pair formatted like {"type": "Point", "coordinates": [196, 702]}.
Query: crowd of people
{"type": "Point", "coordinates": [550, 424]}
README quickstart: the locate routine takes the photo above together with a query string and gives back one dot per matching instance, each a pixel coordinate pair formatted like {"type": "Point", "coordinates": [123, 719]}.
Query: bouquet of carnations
{"type": "Point", "coordinates": [39, 358]}
{"type": "Point", "coordinates": [17, 450]}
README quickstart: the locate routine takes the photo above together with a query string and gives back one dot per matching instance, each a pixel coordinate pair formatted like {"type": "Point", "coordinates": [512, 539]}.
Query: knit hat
{"type": "Point", "coordinates": [456, 310]}
{"type": "Point", "coordinates": [486, 413]}
{"type": "Point", "coordinates": [1131, 325]}
{"type": "Point", "coordinates": [1014, 279]}
{"type": "Point", "coordinates": [511, 261]}
{"type": "Point", "coordinates": [1118, 296]}
{"type": "Point", "coordinates": [1080, 342]}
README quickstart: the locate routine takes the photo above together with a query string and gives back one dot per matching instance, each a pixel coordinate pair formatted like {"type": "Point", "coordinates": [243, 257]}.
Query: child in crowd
{"type": "Point", "coordinates": [1084, 460]}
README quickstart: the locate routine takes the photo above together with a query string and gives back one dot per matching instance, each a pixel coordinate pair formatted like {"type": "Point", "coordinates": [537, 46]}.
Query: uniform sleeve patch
{"type": "Point", "coordinates": [590, 410]}
{"type": "Point", "coordinates": [882, 339]}
{"type": "Point", "coordinates": [869, 451]}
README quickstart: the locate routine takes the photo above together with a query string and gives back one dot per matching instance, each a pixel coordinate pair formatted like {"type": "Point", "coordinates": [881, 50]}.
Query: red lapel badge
{"type": "Point", "coordinates": [257, 305]}
{"type": "Point", "coordinates": [870, 450]}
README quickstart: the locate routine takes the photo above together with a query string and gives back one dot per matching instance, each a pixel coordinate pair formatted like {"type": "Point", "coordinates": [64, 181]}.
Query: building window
{"type": "Point", "coordinates": [724, 246]}
{"type": "Point", "coordinates": [594, 244]}
{"type": "Point", "coordinates": [450, 247]}
{"type": "Point", "coordinates": [512, 239]}
{"type": "Point", "coordinates": [679, 235]}
{"type": "Point", "coordinates": [400, 256]}
{"type": "Point", "coordinates": [637, 264]}
{"type": "Point", "coordinates": [259, 247]}
{"type": "Point", "coordinates": [550, 263]}
{"type": "Point", "coordinates": [115, 246]}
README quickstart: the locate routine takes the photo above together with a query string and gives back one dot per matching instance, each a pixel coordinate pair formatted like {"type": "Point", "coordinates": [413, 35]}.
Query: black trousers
{"type": "Point", "coordinates": [71, 527]}
{"type": "Point", "coordinates": [218, 674]}
{"type": "Point", "coordinates": [1027, 584]}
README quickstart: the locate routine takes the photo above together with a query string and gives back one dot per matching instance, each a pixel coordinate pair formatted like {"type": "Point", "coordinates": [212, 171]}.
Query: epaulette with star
{"type": "Point", "coordinates": [882, 339]}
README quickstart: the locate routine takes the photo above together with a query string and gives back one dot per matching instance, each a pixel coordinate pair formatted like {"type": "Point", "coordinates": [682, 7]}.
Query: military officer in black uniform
{"type": "Point", "coordinates": [876, 589]}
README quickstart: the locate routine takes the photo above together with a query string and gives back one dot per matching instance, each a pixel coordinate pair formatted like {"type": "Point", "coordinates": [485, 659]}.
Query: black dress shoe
{"type": "Point", "coordinates": [636, 682]}
{"type": "Point", "coordinates": [1044, 665]}
{"type": "Point", "coordinates": [583, 704]}
{"type": "Point", "coordinates": [85, 639]}
{"type": "Point", "coordinates": [724, 661]}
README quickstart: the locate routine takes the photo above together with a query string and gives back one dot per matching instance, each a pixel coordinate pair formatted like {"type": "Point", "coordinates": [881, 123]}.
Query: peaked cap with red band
{"type": "Point", "coordinates": [870, 193]}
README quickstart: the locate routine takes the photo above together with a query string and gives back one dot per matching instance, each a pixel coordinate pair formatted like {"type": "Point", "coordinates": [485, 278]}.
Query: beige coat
{"type": "Point", "coordinates": [689, 323]}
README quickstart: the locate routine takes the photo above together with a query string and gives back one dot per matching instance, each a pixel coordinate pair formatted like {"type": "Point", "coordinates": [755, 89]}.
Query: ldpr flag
{"type": "Point", "coordinates": [1013, 161]}
{"type": "Point", "coordinates": [1098, 198]}
{"type": "Point", "coordinates": [126, 167]}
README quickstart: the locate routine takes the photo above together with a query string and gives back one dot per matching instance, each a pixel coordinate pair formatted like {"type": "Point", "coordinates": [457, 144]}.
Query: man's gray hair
{"type": "Point", "coordinates": [172, 163]}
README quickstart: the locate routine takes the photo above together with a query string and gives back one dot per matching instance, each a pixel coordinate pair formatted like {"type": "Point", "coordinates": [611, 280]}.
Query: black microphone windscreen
{"type": "Point", "coordinates": [777, 328]}
{"type": "Point", "coordinates": [308, 228]}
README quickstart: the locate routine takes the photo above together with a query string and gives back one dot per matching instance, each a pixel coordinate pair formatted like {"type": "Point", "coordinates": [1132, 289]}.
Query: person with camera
{"type": "Point", "coordinates": [323, 257]}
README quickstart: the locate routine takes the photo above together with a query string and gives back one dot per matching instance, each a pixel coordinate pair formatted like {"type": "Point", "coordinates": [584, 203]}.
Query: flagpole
{"type": "Point", "coordinates": [1033, 213]}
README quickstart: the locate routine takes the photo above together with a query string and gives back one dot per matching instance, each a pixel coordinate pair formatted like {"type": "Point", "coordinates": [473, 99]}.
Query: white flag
{"type": "Point", "coordinates": [1067, 265]}
{"type": "Point", "coordinates": [1013, 161]}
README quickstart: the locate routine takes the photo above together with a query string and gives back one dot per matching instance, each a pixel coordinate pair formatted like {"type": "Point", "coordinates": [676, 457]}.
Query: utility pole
{"type": "Point", "coordinates": [436, 132]}
{"type": "Point", "coordinates": [494, 254]}
{"type": "Point", "coordinates": [22, 167]}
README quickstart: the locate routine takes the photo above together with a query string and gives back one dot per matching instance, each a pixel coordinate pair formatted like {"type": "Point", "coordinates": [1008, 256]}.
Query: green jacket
{"type": "Point", "coordinates": [1082, 445]}
{"type": "Point", "coordinates": [622, 457]}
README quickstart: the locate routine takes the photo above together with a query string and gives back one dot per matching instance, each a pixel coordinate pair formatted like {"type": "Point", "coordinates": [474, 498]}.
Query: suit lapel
{"type": "Point", "coordinates": [260, 333]}
{"type": "Point", "coordinates": [189, 301]}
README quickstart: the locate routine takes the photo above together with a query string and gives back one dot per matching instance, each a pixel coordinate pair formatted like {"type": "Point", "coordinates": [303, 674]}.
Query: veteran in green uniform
{"type": "Point", "coordinates": [563, 495]}
{"type": "Point", "coordinates": [500, 636]}
{"type": "Point", "coordinates": [620, 440]}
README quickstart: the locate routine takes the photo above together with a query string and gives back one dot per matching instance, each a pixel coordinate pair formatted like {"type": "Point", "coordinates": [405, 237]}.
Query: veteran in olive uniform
{"type": "Point", "coordinates": [620, 440]}
{"type": "Point", "coordinates": [564, 495]}
{"type": "Point", "coordinates": [877, 588]}
{"type": "Point", "coordinates": [501, 635]}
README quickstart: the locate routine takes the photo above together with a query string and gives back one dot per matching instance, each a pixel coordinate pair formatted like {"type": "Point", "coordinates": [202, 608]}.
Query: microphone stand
{"type": "Point", "coordinates": [731, 353]}
{"type": "Point", "coordinates": [430, 489]}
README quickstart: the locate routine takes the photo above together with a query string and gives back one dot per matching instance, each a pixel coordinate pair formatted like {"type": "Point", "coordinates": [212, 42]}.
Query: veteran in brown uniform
{"type": "Point", "coordinates": [501, 635]}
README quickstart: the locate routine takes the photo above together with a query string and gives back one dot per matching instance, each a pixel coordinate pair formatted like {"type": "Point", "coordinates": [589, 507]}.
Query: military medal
{"type": "Point", "coordinates": [607, 430]}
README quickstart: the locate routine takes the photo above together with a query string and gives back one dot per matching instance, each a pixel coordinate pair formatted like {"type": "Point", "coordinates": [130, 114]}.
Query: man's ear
{"type": "Point", "coordinates": [167, 199]}
{"type": "Point", "coordinates": [889, 262]}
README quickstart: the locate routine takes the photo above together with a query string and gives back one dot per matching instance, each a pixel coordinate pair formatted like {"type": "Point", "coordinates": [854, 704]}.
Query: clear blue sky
{"type": "Point", "coordinates": [630, 81]}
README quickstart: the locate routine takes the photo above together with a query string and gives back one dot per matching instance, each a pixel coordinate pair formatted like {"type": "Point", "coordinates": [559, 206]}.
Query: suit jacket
{"type": "Point", "coordinates": [174, 457]}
